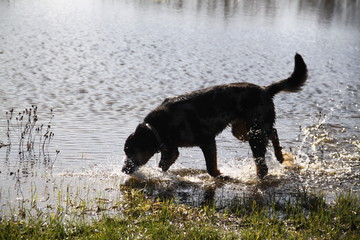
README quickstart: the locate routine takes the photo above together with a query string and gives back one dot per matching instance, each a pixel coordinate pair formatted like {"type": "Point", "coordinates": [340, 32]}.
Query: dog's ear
{"type": "Point", "coordinates": [141, 128]}
{"type": "Point", "coordinates": [144, 134]}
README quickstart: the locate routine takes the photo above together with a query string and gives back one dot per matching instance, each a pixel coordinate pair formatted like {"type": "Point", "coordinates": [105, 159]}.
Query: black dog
{"type": "Point", "coordinates": [194, 119]}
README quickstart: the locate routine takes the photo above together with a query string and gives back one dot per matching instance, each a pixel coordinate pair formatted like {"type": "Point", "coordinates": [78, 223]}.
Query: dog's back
{"type": "Point", "coordinates": [207, 112]}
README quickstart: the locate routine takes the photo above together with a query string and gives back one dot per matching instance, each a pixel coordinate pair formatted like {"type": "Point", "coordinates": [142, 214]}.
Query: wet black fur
{"type": "Point", "coordinates": [196, 118]}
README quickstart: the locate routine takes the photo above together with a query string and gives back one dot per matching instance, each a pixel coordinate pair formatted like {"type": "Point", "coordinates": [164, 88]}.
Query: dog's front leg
{"type": "Point", "coordinates": [168, 157]}
{"type": "Point", "coordinates": [209, 151]}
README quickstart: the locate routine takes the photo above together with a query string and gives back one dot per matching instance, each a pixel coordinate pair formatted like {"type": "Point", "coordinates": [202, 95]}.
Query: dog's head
{"type": "Point", "coordinates": [139, 147]}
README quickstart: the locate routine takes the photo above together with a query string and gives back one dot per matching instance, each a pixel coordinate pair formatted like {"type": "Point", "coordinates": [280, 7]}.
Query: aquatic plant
{"type": "Point", "coordinates": [31, 138]}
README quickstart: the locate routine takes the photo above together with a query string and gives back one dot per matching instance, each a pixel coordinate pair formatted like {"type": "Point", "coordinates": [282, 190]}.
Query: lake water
{"type": "Point", "coordinates": [102, 65]}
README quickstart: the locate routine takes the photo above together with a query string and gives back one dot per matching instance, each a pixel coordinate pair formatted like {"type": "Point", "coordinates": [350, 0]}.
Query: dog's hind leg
{"type": "Point", "coordinates": [276, 144]}
{"type": "Point", "coordinates": [209, 151]}
{"type": "Point", "coordinates": [168, 157]}
{"type": "Point", "coordinates": [258, 142]}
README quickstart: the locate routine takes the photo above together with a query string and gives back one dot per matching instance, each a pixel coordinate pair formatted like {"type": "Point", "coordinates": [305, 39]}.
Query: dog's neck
{"type": "Point", "coordinates": [156, 134]}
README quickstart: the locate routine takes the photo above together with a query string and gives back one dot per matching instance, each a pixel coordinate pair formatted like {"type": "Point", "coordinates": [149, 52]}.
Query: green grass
{"type": "Point", "coordinates": [140, 217]}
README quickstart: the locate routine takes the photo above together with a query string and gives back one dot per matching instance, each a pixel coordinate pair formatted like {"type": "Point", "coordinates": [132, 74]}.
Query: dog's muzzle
{"type": "Point", "coordinates": [129, 166]}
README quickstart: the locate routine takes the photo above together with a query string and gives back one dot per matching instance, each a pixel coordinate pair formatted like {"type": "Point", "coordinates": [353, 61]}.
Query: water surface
{"type": "Point", "coordinates": [101, 66]}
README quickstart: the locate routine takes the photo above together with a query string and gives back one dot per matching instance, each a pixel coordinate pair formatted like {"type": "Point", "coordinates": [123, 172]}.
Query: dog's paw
{"type": "Point", "coordinates": [223, 178]}
{"type": "Point", "coordinates": [261, 171]}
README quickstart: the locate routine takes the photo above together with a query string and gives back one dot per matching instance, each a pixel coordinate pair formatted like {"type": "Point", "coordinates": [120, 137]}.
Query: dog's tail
{"type": "Point", "coordinates": [294, 82]}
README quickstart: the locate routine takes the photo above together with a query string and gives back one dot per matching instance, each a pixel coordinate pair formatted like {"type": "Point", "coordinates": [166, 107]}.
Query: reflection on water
{"type": "Point", "coordinates": [102, 65]}
{"type": "Point", "coordinates": [323, 11]}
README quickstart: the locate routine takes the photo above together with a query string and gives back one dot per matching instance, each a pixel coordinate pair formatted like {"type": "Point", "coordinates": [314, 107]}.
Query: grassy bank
{"type": "Point", "coordinates": [139, 217]}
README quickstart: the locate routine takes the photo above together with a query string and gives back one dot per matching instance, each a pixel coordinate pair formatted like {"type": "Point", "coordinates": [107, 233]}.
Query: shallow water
{"type": "Point", "coordinates": [103, 65]}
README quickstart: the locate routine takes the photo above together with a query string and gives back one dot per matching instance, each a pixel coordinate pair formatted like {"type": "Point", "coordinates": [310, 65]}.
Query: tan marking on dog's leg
{"type": "Point", "coordinates": [240, 130]}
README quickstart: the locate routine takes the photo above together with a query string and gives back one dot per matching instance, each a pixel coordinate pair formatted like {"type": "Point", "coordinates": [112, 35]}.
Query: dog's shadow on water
{"type": "Point", "coordinates": [197, 188]}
